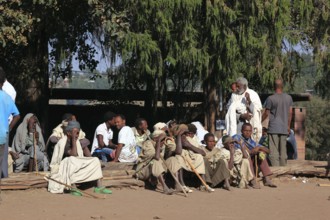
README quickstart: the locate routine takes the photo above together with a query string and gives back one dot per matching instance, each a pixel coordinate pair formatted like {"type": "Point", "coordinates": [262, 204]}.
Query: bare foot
{"type": "Point", "coordinates": [168, 191]}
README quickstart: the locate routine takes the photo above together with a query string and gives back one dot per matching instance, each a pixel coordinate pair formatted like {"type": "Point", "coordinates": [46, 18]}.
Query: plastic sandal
{"type": "Point", "coordinates": [75, 192]}
{"type": "Point", "coordinates": [102, 190]}
{"type": "Point", "coordinates": [187, 189]}
{"type": "Point", "coordinates": [207, 188]}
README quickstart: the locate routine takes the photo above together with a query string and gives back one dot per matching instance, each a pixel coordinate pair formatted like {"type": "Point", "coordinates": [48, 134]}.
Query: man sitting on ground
{"type": "Point", "coordinates": [73, 164]}
{"type": "Point", "coordinates": [216, 170]}
{"type": "Point", "coordinates": [151, 160]}
{"type": "Point", "coordinates": [59, 132]}
{"type": "Point", "coordinates": [190, 154]}
{"type": "Point", "coordinates": [102, 144]}
{"type": "Point", "coordinates": [141, 131]}
{"type": "Point", "coordinates": [126, 147]}
{"type": "Point", "coordinates": [237, 162]}
{"type": "Point", "coordinates": [27, 139]}
{"type": "Point", "coordinates": [257, 153]}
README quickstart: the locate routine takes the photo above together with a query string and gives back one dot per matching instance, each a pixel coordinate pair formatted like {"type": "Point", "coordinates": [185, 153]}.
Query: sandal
{"type": "Point", "coordinates": [187, 189]}
{"type": "Point", "coordinates": [75, 192]}
{"type": "Point", "coordinates": [207, 188]}
{"type": "Point", "coordinates": [102, 190]}
{"type": "Point", "coordinates": [270, 184]}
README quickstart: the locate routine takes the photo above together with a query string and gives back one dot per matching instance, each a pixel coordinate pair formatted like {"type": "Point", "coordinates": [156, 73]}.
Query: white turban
{"type": "Point", "coordinates": [159, 126]}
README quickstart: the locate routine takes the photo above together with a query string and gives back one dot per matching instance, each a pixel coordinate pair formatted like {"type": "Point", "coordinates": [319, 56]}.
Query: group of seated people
{"type": "Point", "coordinates": [176, 149]}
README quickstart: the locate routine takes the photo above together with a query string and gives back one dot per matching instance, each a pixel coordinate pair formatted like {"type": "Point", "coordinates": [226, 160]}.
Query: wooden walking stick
{"type": "Point", "coordinates": [195, 171]}
{"type": "Point", "coordinates": [175, 179]}
{"type": "Point", "coordinates": [138, 170]}
{"type": "Point", "coordinates": [35, 150]}
{"type": "Point", "coordinates": [256, 156]}
{"type": "Point", "coordinates": [71, 187]}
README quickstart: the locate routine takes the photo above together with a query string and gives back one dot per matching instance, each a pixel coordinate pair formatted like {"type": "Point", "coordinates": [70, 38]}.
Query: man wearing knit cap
{"type": "Point", "coordinates": [237, 163]}
{"type": "Point", "coordinates": [72, 164]}
{"type": "Point", "coordinates": [102, 144]}
{"type": "Point", "coordinates": [58, 133]}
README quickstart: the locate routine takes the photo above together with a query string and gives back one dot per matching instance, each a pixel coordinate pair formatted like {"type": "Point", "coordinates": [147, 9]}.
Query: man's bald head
{"type": "Point", "coordinates": [278, 84]}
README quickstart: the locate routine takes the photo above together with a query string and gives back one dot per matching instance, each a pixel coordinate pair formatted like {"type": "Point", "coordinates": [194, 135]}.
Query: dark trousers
{"type": "Point", "coordinates": [2, 155]}
{"type": "Point", "coordinates": [262, 166]}
{"type": "Point", "coordinates": [4, 164]}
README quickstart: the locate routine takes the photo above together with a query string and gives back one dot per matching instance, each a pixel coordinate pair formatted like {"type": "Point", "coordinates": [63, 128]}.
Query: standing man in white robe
{"type": "Point", "coordinates": [251, 100]}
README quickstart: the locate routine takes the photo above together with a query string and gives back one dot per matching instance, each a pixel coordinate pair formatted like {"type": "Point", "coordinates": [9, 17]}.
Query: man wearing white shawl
{"type": "Point", "coordinates": [69, 164]}
{"type": "Point", "coordinates": [251, 100]}
{"type": "Point", "coordinates": [27, 138]}
{"type": "Point", "coordinates": [59, 132]}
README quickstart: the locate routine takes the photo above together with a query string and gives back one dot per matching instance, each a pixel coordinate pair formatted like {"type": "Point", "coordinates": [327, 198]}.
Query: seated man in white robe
{"type": "Point", "coordinates": [59, 132]}
{"type": "Point", "coordinates": [73, 164]}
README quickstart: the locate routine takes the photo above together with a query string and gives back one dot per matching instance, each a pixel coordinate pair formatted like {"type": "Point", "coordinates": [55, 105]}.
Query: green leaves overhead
{"type": "Point", "coordinates": [14, 23]}
{"type": "Point", "coordinates": [218, 39]}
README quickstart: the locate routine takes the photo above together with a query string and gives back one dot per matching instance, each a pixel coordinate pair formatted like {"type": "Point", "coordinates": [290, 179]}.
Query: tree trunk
{"type": "Point", "coordinates": [37, 91]}
{"type": "Point", "coordinates": [211, 104]}
{"type": "Point", "coordinates": [149, 102]}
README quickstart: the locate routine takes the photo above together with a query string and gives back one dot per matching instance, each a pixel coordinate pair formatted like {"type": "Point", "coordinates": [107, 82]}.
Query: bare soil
{"type": "Point", "coordinates": [298, 198]}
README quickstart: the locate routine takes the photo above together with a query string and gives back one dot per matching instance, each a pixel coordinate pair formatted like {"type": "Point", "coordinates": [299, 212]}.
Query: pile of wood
{"type": "Point", "coordinates": [304, 168]}
{"type": "Point", "coordinates": [23, 181]}
{"type": "Point", "coordinates": [118, 175]}
{"type": "Point", "coordinates": [114, 175]}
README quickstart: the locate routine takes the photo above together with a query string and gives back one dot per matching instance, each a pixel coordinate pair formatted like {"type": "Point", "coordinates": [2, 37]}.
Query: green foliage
{"type": "Point", "coordinates": [314, 25]}
{"type": "Point", "coordinates": [317, 126]}
{"type": "Point", "coordinates": [181, 41]}
{"type": "Point", "coordinates": [15, 23]}
{"type": "Point", "coordinates": [28, 29]}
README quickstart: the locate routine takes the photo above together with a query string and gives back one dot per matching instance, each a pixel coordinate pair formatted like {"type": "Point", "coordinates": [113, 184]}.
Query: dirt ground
{"type": "Point", "coordinates": [298, 198]}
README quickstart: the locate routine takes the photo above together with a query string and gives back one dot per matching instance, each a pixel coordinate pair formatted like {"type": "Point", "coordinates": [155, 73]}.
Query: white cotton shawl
{"type": "Point", "coordinates": [58, 154]}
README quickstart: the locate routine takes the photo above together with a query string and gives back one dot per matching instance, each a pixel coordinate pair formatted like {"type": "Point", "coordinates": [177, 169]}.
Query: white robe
{"type": "Point", "coordinates": [235, 106]}
{"type": "Point", "coordinates": [201, 132]}
{"type": "Point", "coordinates": [72, 170]}
{"type": "Point", "coordinates": [255, 107]}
